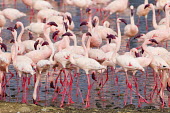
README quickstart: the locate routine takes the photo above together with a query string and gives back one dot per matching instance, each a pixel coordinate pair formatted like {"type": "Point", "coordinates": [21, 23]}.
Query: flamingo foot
{"type": "Point", "coordinates": [35, 102]}
{"type": "Point", "coordinates": [52, 85]}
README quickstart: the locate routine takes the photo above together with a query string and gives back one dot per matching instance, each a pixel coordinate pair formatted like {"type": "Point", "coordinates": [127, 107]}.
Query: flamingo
{"type": "Point", "coordinates": [142, 11]}
{"type": "Point", "coordinates": [2, 22]}
{"type": "Point", "coordinates": [116, 7]}
{"type": "Point", "coordinates": [85, 63]}
{"type": "Point", "coordinates": [12, 14]}
{"type": "Point", "coordinates": [22, 63]}
{"type": "Point", "coordinates": [5, 60]}
{"type": "Point", "coordinates": [131, 29]}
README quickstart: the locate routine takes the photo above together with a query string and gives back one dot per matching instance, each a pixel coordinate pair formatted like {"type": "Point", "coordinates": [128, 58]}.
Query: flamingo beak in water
{"type": "Point", "coordinates": [94, 22]}
{"type": "Point", "coordinates": [3, 46]}
{"type": "Point", "coordinates": [30, 36]}
{"type": "Point", "coordinates": [124, 21]}
{"type": "Point", "coordinates": [147, 5]}
{"type": "Point", "coordinates": [66, 26]}
{"type": "Point", "coordinates": [67, 34]}
{"type": "Point", "coordinates": [12, 41]}
{"type": "Point", "coordinates": [83, 23]}
{"type": "Point", "coordinates": [137, 54]}
{"type": "Point", "coordinates": [54, 34]}
{"type": "Point", "coordinates": [69, 19]}
{"type": "Point", "coordinates": [35, 44]}
{"type": "Point", "coordinates": [88, 34]}
{"type": "Point", "coordinates": [52, 24]}
{"type": "Point", "coordinates": [45, 43]}
{"type": "Point", "coordinates": [153, 40]}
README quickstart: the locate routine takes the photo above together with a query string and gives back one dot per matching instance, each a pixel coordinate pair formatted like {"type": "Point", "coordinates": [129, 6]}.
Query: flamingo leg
{"type": "Point", "coordinates": [35, 88]}
{"type": "Point", "coordinates": [1, 79]}
{"type": "Point", "coordinates": [88, 92]}
{"type": "Point", "coordinates": [70, 101]}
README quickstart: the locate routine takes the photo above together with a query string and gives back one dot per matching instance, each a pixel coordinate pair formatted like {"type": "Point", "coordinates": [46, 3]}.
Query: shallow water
{"type": "Point", "coordinates": [112, 94]}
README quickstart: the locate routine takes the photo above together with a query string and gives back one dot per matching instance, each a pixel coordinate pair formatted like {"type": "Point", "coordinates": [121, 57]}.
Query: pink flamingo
{"type": "Point", "coordinates": [12, 14]}
{"type": "Point", "coordinates": [142, 11]}
{"type": "Point", "coordinates": [2, 22]}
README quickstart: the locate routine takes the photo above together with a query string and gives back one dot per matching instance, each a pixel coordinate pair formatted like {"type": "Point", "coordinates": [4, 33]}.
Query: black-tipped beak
{"type": "Point", "coordinates": [164, 7]}
{"type": "Point", "coordinates": [12, 41]}
{"type": "Point", "coordinates": [138, 36]}
{"type": "Point", "coordinates": [88, 34]}
{"type": "Point", "coordinates": [54, 34]}
{"type": "Point", "coordinates": [30, 36]}
{"type": "Point", "coordinates": [3, 46]}
{"type": "Point", "coordinates": [153, 40]}
{"type": "Point", "coordinates": [124, 21]}
{"type": "Point", "coordinates": [52, 24]}
{"type": "Point", "coordinates": [35, 44]}
{"type": "Point", "coordinates": [137, 54]}
{"type": "Point", "coordinates": [66, 26]}
{"type": "Point", "coordinates": [45, 43]}
{"type": "Point", "coordinates": [110, 36]}
{"type": "Point", "coordinates": [88, 10]}
{"type": "Point", "coordinates": [69, 19]}
{"type": "Point", "coordinates": [83, 23]}
{"type": "Point", "coordinates": [10, 28]}
{"type": "Point", "coordinates": [131, 12]}
{"type": "Point", "coordinates": [67, 34]}
{"type": "Point", "coordinates": [94, 22]}
{"type": "Point", "coordinates": [142, 51]}
{"type": "Point", "coordinates": [147, 5]}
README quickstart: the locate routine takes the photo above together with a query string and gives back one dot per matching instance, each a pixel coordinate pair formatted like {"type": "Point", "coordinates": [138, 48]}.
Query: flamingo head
{"type": "Point", "coordinates": [153, 40]}
{"type": "Point", "coordinates": [67, 34]}
{"type": "Point", "coordinates": [94, 22]}
{"type": "Point", "coordinates": [131, 8]}
{"type": "Point", "coordinates": [147, 6]}
{"type": "Point", "coordinates": [55, 34]}
{"type": "Point", "coordinates": [66, 26]}
{"type": "Point", "coordinates": [110, 37]}
{"type": "Point", "coordinates": [12, 41]}
{"type": "Point", "coordinates": [84, 23]}
{"type": "Point", "coordinates": [88, 34]}
{"type": "Point", "coordinates": [30, 36]}
{"type": "Point", "coordinates": [3, 46]}
{"type": "Point", "coordinates": [123, 20]}
{"type": "Point", "coordinates": [52, 24]}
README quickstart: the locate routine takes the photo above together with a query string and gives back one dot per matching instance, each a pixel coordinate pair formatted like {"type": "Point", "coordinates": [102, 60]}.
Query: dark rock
{"type": "Point", "coordinates": [108, 106]}
{"type": "Point", "coordinates": [129, 106]}
{"type": "Point", "coordinates": [98, 105]}
{"type": "Point", "coordinates": [149, 107]}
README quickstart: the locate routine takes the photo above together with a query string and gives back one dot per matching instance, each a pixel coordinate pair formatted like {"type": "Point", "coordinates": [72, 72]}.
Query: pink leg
{"type": "Point", "coordinates": [88, 92]}
{"type": "Point", "coordinates": [35, 88]}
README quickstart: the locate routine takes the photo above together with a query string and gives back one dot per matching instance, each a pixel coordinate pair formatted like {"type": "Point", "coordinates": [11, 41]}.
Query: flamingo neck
{"type": "Point", "coordinates": [146, 2]}
{"type": "Point", "coordinates": [119, 37]}
{"type": "Point", "coordinates": [14, 50]}
{"type": "Point", "coordinates": [155, 25]}
{"type": "Point", "coordinates": [84, 46]}
{"type": "Point", "coordinates": [21, 33]}
{"type": "Point", "coordinates": [144, 46]}
{"type": "Point", "coordinates": [167, 18]}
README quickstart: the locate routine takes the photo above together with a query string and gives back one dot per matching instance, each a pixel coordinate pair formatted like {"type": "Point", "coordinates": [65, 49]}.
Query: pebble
{"type": "Point", "coordinates": [129, 106]}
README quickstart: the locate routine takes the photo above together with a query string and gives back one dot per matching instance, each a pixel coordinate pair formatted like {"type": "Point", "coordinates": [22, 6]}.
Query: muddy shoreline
{"type": "Point", "coordinates": [13, 107]}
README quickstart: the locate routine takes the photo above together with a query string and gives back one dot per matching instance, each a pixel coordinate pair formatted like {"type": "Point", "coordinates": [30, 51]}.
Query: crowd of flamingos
{"type": "Point", "coordinates": [49, 51]}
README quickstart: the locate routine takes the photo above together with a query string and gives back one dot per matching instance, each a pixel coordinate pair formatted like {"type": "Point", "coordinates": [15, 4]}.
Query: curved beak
{"type": "Point", "coordinates": [147, 5]}
{"type": "Point", "coordinates": [45, 43]}
{"type": "Point", "coordinates": [69, 19]}
{"type": "Point", "coordinates": [137, 54]}
{"type": "Point", "coordinates": [94, 22]}
{"type": "Point", "coordinates": [124, 21]}
{"type": "Point", "coordinates": [52, 24]}
{"type": "Point", "coordinates": [12, 41]}
{"type": "Point", "coordinates": [3, 46]}
{"type": "Point", "coordinates": [88, 34]}
{"type": "Point", "coordinates": [153, 40]}
{"type": "Point", "coordinates": [15, 27]}
{"type": "Point", "coordinates": [35, 44]}
{"type": "Point", "coordinates": [67, 34]}
{"type": "Point", "coordinates": [66, 26]}
{"type": "Point", "coordinates": [10, 28]}
{"type": "Point", "coordinates": [83, 23]}
{"type": "Point", "coordinates": [54, 34]}
{"type": "Point", "coordinates": [164, 7]}
{"type": "Point", "coordinates": [138, 36]}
